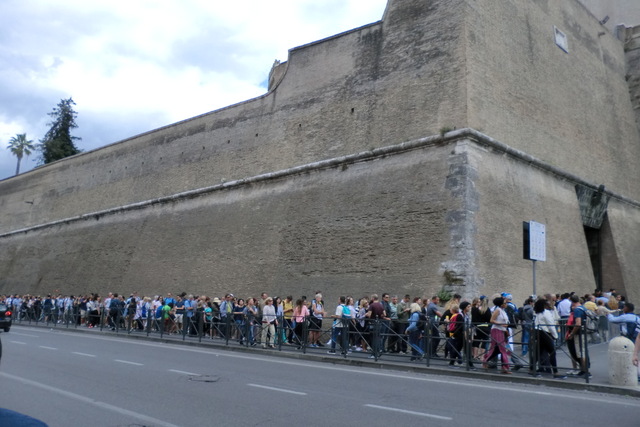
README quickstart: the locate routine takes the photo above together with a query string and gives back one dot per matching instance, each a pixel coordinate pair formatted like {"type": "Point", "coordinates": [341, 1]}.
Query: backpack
{"type": "Point", "coordinates": [632, 329]}
{"type": "Point", "coordinates": [592, 321]}
{"type": "Point", "coordinates": [512, 314]}
{"type": "Point", "coordinates": [571, 321]}
{"type": "Point", "coordinates": [453, 324]}
{"type": "Point", "coordinates": [159, 312]}
{"type": "Point", "coordinates": [144, 311]}
{"type": "Point", "coordinates": [422, 321]}
{"type": "Point", "coordinates": [346, 312]}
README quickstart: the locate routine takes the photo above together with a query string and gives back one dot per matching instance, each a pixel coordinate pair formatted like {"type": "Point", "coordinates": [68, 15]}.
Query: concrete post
{"type": "Point", "coordinates": [621, 369]}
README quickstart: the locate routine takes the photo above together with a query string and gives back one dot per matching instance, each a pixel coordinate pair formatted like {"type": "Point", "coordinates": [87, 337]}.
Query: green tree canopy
{"type": "Point", "coordinates": [20, 146]}
{"type": "Point", "coordinates": [58, 142]}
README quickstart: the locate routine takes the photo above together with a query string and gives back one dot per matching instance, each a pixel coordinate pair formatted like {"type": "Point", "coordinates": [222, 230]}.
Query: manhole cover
{"type": "Point", "coordinates": [205, 378]}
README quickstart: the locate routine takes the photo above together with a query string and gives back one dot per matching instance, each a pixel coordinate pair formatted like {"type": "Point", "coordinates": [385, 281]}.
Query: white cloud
{"type": "Point", "coordinates": [135, 68]}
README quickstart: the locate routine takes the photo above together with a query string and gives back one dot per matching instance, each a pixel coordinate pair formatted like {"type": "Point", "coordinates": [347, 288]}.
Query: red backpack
{"type": "Point", "coordinates": [453, 323]}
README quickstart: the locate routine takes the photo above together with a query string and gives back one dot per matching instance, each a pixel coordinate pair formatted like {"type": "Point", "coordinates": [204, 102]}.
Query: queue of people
{"type": "Point", "coordinates": [482, 330]}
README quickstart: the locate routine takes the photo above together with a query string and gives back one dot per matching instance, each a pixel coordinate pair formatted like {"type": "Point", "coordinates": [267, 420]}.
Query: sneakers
{"type": "Point", "coordinates": [572, 372]}
{"type": "Point", "coordinates": [358, 348]}
{"type": "Point", "coordinates": [331, 352]}
{"type": "Point", "coordinates": [559, 377]}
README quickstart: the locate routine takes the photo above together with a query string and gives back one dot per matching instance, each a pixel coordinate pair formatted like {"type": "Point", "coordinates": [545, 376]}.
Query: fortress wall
{"type": "Point", "coordinates": [624, 220]}
{"type": "Point", "coordinates": [374, 86]}
{"type": "Point", "coordinates": [512, 192]}
{"type": "Point", "coordinates": [632, 48]}
{"type": "Point", "coordinates": [358, 228]}
{"type": "Point", "coordinates": [569, 109]}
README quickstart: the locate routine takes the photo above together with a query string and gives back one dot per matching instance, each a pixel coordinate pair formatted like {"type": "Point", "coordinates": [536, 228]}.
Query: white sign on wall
{"type": "Point", "coordinates": [537, 241]}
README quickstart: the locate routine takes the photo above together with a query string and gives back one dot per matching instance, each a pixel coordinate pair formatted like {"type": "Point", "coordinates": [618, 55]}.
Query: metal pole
{"type": "Point", "coordinates": [534, 277]}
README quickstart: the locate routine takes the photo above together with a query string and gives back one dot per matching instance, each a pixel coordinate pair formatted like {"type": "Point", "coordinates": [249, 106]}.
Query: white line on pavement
{"type": "Point", "coordinates": [84, 354]}
{"type": "Point", "coordinates": [278, 389]}
{"type": "Point", "coordinates": [103, 405]}
{"type": "Point", "coordinates": [129, 363]}
{"type": "Point", "coordinates": [402, 411]}
{"type": "Point", "coordinates": [182, 372]}
{"type": "Point", "coordinates": [47, 348]}
{"type": "Point", "coordinates": [18, 342]}
{"type": "Point", "coordinates": [24, 335]}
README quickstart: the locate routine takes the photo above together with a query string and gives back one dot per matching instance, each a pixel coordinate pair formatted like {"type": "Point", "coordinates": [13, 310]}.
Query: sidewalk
{"type": "Point", "coordinates": [598, 353]}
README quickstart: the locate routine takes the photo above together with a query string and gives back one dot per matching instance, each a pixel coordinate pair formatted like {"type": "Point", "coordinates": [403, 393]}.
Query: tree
{"type": "Point", "coordinates": [20, 146]}
{"type": "Point", "coordinates": [58, 142]}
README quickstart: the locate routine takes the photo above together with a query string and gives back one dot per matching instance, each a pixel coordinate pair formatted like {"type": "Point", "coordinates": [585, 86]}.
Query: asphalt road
{"type": "Point", "coordinates": [74, 379]}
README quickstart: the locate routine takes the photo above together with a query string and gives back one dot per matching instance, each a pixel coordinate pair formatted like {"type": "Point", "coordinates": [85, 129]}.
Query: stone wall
{"type": "Point", "coordinates": [374, 86]}
{"type": "Point", "coordinates": [357, 227]}
{"type": "Point", "coordinates": [513, 192]}
{"type": "Point", "coordinates": [631, 37]}
{"type": "Point", "coordinates": [571, 110]}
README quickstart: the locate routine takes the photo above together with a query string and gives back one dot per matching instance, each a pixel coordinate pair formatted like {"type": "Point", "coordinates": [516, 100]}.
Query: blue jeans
{"type": "Point", "coordinates": [339, 333]}
{"type": "Point", "coordinates": [526, 333]}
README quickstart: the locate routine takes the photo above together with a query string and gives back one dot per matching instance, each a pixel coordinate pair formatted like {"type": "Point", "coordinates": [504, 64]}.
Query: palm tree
{"type": "Point", "coordinates": [20, 146]}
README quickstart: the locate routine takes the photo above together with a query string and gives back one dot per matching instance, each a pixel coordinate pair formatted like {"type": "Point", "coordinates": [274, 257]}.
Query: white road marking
{"type": "Point", "coordinates": [129, 363]}
{"type": "Point", "coordinates": [47, 348]}
{"type": "Point", "coordinates": [402, 411]}
{"type": "Point", "coordinates": [84, 354]}
{"type": "Point", "coordinates": [24, 335]}
{"type": "Point", "coordinates": [182, 372]}
{"type": "Point", "coordinates": [18, 342]}
{"type": "Point", "coordinates": [282, 390]}
{"type": "Point", "coordinates": [103, 405]}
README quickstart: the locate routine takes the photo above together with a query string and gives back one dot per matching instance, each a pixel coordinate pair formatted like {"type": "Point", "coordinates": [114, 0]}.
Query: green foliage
{"type": "Point", "coordinates": [58, 142]}
{"type": "Point", "coordinates": [20, 146]}
{"type": "Point", "coordinates": [444, 295]}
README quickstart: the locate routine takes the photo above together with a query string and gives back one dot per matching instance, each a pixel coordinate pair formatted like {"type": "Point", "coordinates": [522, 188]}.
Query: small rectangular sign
{"type": "Point", "coordinates": [535, 241]}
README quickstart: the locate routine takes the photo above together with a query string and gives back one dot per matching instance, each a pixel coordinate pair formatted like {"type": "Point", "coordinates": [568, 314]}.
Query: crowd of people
{"type": "Point", "coordinates": [492, 327]}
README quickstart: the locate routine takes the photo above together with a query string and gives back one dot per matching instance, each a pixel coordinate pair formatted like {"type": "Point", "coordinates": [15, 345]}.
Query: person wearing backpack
{"type": "Point", "coordinates": [627, 321]}
{"type": "Point", "coordinates": [340, 328]}
{"type": "Point", "coordinates": [574, 337]}
{"type": "Point", "coordinates": [526, 317]}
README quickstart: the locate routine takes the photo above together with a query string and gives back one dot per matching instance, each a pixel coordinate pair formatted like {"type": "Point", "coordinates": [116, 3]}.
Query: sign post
{"type": "Point", "coordinates": [534, 245]}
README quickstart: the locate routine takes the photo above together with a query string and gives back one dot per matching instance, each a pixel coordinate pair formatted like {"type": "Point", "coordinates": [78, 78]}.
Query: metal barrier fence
{"type": "Point", "coordinates": [433, 342]}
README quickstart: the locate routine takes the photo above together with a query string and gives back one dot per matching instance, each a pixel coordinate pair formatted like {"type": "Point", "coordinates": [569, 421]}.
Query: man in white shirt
{"type": "Point", "coordinates": [340, 330]}
{"type": "Point", "coordinates": [564, 306]}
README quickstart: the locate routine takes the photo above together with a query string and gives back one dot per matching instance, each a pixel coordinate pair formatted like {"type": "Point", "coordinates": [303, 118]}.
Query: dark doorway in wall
{"type": "Point", "coordinates": [594, 243]}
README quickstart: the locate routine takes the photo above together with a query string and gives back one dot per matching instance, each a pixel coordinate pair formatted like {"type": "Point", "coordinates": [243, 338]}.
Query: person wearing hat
{"type": "Point", "coordinates": [226, 315]}
{"type": "Point", "coordinates": [512, 312]}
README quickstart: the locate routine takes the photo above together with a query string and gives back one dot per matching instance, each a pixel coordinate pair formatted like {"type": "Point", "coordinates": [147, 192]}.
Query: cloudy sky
{"type": "Point", "coordinates": [137, 65]}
